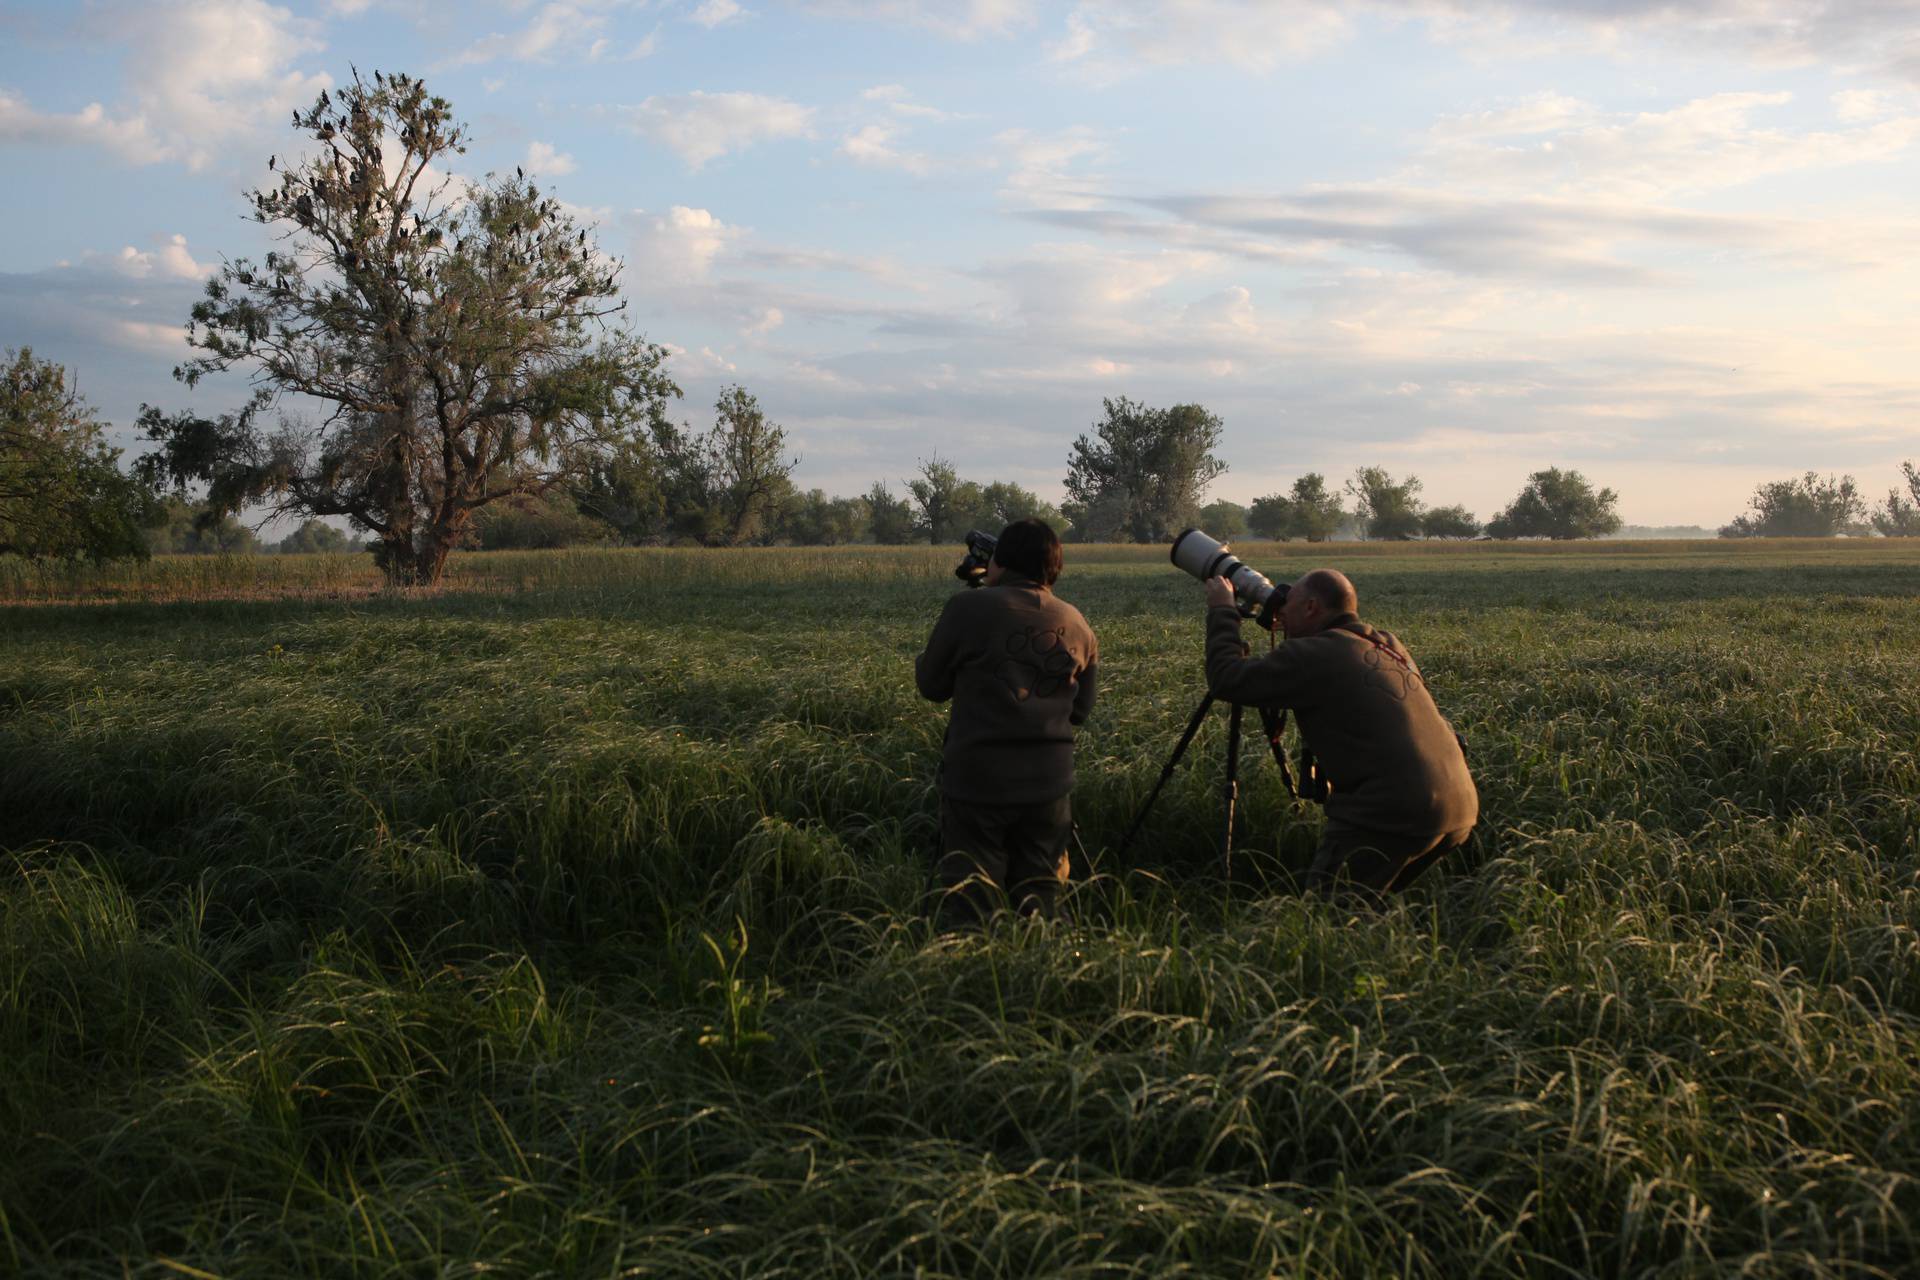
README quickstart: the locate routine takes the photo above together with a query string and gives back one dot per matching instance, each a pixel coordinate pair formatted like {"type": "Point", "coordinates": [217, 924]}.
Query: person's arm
{"type": "Point", "coordinates": [933, 669]}
{"type": "Point", "coordinates": [1083, 693]}
{"type": "Point", "coordinates": [1272, 679]}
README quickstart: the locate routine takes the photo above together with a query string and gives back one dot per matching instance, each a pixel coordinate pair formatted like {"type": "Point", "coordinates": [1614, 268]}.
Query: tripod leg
{"type": "Point", "coordinates": [1274, 722]}
{"type": "Point", "coordinates": [1231, 792]}
{"type": "Point", "coordinates": [1180, 748]}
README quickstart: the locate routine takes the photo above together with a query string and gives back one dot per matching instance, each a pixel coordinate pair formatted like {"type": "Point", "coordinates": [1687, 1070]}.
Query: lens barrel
{"type": "Point", "coordinates": [1205, 557]}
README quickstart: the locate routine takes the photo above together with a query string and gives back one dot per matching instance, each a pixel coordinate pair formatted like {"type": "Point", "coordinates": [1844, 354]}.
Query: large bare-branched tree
{"type": "Point", "coordinates": [451, 344]}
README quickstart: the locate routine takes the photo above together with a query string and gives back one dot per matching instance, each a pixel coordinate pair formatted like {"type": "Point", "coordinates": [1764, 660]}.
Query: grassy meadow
{"type": "Point", "coordinates": [569, 921]}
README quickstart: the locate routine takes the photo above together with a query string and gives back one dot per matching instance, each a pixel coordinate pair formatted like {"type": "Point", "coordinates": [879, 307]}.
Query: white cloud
{"type": "Point", "coordinates": [770, 318]}
{"type": "Point", "coordinates": [555, 29]}
{"type": "Point", "coordinates": [199, 74]}
{"type": "Point", "coordinates": [955, 19]}
{"type": "Point", "coordinates": [1566, 239]}
{"type": "Point", "coordinates": [700, 127]}
{"type": "Point", "coordinates": [897, 100]}
{"type": "Point", "coordinates": [713, 13]}
{"type": "Point", "coordinates": [547, 160]}
{"type": "Point", "coordinates": [171, 260]}
{"type": "Point", "coordinates": [1540, 113]}
{"type": "Point", "coordinates": [1232, 308]}
{"type": "Point", "coordinates": [892, 274]}
{"type": "Point", "coordinates": [680, 245]}
{"type": "Point", "coordinates": [91, 125]}
{"type": "Point", "coordinates": [1090, 288]}
{"type": "Point", "coordinates": [1853, 106]}
{"type": "Point", "coordinates": [208, 70]}
{"type": "Point", "coordinates": [1880, 38]}
{"type": "Point", "coordinates": [1707, 144]}
{"type": "Point", "coordinates": [873, 146]}
{"type": "Point", "coordinates": [1045, 169]}
{"type": "Point", "coordinates": [1080, 41]}
{"type": "Point", "coordinates": [1111, 36]}
{"type": "Point", "coordinates": [118, 318]}
{"type": "Point", "coordinates": [147, 335]}
{"type": "Point", "coordinates": [878, 144]}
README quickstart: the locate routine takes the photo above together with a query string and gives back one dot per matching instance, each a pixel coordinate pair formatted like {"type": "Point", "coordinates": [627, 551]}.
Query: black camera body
{"type": "Point", "coordinates": [972, 569]}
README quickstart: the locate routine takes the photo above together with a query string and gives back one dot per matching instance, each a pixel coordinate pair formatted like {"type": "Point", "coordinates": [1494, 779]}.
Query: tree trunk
{"type": "Point", "coordinates": [407, 565]}
{"type": "Point", "coordinates": [395, 557]}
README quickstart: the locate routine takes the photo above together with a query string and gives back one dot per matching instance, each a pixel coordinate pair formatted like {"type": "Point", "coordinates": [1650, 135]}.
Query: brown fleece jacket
{"type": "Point", "coordinates": [1019, 664]}
{"type": "Point", "coordinates": [1394, 762]}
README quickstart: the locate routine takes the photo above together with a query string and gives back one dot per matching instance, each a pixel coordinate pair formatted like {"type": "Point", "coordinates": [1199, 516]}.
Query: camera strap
{"type": "Point", "coordinates": [1372, 636]}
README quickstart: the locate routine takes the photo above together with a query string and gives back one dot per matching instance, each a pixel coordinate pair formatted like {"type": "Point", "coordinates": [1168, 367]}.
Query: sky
{"type": "Point", "coordinates": [1670, 246]}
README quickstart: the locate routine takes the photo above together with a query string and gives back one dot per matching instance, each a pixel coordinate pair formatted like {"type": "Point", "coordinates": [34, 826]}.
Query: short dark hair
{"type": "Point", "coordinates": [1032, 549]}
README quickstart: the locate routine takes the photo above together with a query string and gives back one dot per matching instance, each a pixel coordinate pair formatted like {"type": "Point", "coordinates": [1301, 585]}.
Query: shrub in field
{"type": "Point", "coordinates": [528, 523]}
{"type": "Point", "coordinates": [1448, 522]}
{"type": "Point", "coordinates": [1309, 511]}
{"type": "Point", "coordinates": [62, 493]}
{"type": "Point", "coordinates": [891, 518]}
{"type": "Point", "coordinates": [1558, 504]}
{"type": "Point", "coordinates": [1389, 508]}
{"type": "Point", "coordinates": [313, 536]}
{"type": "Point", "coordinates": [1899, 515]}
{"type": "Point", "coordinates": [1808, 507]}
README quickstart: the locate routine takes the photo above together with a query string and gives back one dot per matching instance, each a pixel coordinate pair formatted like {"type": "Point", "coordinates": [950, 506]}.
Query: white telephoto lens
{"type": "Point", "coordinates": [1198, 554]}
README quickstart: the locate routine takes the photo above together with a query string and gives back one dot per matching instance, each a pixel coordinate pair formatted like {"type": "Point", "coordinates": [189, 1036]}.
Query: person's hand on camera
{"type": "Point", "coordinates": [1219, 592]}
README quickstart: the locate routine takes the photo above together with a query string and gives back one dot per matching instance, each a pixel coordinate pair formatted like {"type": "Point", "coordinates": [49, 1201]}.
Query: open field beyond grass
{"type": "Point", "coordinates": [567, 921]}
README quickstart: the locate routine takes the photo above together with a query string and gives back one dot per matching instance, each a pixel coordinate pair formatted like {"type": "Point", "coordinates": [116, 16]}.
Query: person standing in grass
{"type": "Point", "coordinates": [1019, 664]}
{"type": "Point", "coordinates": [1401, 795]}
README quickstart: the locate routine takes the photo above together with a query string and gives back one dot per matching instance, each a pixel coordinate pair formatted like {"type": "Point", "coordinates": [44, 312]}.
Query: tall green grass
{"type": "Point", "coordinates": [569, 921]}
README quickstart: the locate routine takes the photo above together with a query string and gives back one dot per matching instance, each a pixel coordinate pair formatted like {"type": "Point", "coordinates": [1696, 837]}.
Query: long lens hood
{"type": "Point", "coordinates": [1173, 552]}
{"type": "Point", "coordinates": [1205, 556]}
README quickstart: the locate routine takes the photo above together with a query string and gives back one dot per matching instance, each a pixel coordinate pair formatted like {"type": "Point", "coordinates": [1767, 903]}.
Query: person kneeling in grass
{"type": "Point", "coordinates": [1401, 795]}
{"type": "Point", "coordinates": [1019, 664]}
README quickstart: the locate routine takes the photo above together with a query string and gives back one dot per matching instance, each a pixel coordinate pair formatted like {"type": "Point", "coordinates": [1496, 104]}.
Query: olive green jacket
{"type": "Point", "coordinates": [1364, 710]}
{"type": "Point", "coordinates": [1020, 665]}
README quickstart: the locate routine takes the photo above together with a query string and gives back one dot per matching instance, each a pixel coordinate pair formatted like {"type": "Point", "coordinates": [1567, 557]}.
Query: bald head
{"type": "Point", "coordinates": [1331, 588]}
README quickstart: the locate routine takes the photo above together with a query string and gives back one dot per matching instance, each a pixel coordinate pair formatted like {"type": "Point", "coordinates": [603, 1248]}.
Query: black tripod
{"type": "Point", "coordinates": [1273, 721]}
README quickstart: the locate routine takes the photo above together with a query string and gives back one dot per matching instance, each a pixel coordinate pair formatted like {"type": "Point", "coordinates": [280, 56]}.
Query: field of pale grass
{"type": "Point", "coordinates": [568, 920]}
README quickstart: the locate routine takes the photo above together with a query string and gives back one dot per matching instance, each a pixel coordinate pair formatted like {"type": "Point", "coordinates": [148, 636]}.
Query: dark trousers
{"type": "Point", "coordinates": [994, 856]}
{"type": "Point", "coordinates": [1373, 864]}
